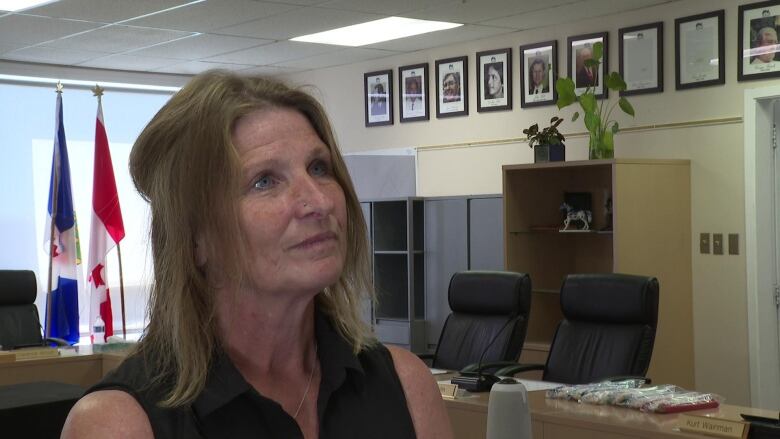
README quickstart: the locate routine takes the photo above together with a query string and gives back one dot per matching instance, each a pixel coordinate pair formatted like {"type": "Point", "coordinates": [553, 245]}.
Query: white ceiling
{"type": "Point", "coordinates": [187, 37]}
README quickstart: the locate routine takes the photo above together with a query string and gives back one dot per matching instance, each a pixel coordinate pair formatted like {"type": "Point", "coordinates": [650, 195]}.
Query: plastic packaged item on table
{"type": "Point", "coordinates": [579, 391]}
{"type": "Point", "coordinates": [682, 402]}
{"type": "Point", "coordinates": [636, 398]}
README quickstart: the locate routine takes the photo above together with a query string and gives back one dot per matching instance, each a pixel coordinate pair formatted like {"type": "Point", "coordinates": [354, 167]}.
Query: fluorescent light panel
{"type": "Point", "coordinates": [20, 5]}
{"type": "Point", "coordinates": [376, 31]}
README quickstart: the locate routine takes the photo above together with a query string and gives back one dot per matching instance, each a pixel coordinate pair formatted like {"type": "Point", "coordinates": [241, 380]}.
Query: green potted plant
{"type": "Point", "coordinates": [548, 143]}
{"type": "Point", "coordinates": [596, 115]}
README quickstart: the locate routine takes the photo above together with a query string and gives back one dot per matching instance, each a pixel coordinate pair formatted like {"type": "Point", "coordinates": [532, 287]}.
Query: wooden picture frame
{"type": "Point", "coordinates": [538, 72]}
{"type": "Point", "coordinates": [699, 53]}
{"type": "Point", "coordinates": [413, 93]}
{"type": "Point", "coordinates": [378, 94]}
{"type": "Point", "coordinates": [494, 80]}
{"type": "Point", "coordinates": [759, 26]}
{"type": "Point", "coordinates": [452, 79]}
{"type": "Point", "coordinates": [579, 48]}
{"type": "Point", "coordinates": [641, 58]}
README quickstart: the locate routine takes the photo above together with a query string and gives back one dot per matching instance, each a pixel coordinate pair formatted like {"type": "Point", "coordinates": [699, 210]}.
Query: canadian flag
{"type": "Point", "coordinates": [107, 228]}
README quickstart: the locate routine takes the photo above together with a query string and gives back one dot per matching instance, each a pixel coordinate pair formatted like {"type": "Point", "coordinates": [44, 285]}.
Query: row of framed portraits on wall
{"type": "Point", "coordinates": [699, 62]}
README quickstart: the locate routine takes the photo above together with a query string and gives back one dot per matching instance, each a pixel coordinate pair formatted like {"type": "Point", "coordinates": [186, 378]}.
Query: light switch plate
{"type": "Point", "coordinates": [717, 243]}
{"type": "Point", "coordinates": [733, 243]}
{"type": "Point", "coordinates": [704, 243]}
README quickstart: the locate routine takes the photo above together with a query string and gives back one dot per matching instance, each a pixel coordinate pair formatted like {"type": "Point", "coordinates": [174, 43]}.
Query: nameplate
{"type": "Point", "coordinates": [717, 427]}
{"type": "Point", "coordinates": [34, 353]}
{"type": "Point", "coordinates": [448, 390]}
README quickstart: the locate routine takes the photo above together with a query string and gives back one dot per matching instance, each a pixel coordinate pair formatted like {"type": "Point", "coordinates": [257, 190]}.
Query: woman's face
{"type": "Point", "coordinates": [494, 81]}
{"type": "Point", "coordinates": [292, 210]}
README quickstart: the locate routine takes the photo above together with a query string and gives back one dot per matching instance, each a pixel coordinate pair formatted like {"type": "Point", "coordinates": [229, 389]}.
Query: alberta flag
{"type": "Point", "coordinates": [62, 310]}
{"type": "Point", "coordinates": [107, 228]}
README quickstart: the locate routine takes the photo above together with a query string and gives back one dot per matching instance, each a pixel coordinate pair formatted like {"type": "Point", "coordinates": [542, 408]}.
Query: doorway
{"type": "Point", "coordinates": [762, 227]}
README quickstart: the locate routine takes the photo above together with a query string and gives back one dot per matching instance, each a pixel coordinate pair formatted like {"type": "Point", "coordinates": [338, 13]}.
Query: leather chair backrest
{"type": "Point", "coordinates": [19, 322]}
{"type": "Point", "coordinates": [608, 328]}
{"type": "Point", "coordinates": [485, 305]}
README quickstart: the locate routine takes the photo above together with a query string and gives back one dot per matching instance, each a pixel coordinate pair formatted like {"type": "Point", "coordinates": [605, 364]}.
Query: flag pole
{"type": "Point", "coordinates": [54, 196]}
{"type": "Point", "coordinates": [121, 290]}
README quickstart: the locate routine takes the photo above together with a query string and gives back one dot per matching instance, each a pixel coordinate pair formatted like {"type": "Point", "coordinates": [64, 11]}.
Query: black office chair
{"type": "Point", "coordinates": [487, 306]}
{"type": "Point", "coordinates": [608, 329]}
{"type": "Point", "coordinates": [19, 322]}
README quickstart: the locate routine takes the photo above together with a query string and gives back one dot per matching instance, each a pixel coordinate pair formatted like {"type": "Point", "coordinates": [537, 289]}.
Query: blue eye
{"type": "Point", "coordinates": [319, 168]}
{"type": "Point", "coordinates": [264, 183]}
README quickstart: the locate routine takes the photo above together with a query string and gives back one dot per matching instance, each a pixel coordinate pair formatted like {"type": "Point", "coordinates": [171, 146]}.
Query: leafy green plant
{"type": "Point", "coordinates": [547, 136]}
{"type": "Point", "coordinates": [596, 115]}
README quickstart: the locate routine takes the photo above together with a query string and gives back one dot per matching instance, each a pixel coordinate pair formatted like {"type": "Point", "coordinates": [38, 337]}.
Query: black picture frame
{"type": "Point", "coordinates": [532, 56]}
{"type": "Point", "coordinates": [413, 93]}
{"type": "Point", "coordinates": [641, 58]}
{"type": "Point", "coordinates": [759, 26]}
{"type": "Point", "coordinates": [494, 80]}
{"type": "Point", "coordinates": [378, 95]}
{"type": "Point", "coordinates": [452, 101]}
{"type": "Point", "coordinates": [576, 54]}
{"type": "Point", "coordinates": [694, 68]}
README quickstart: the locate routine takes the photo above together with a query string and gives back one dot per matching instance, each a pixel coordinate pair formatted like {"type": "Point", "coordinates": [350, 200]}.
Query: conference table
{"type": "Point", "coordinates": [80, 365]}
{"type": "Point", "coordinates": [559, 419]}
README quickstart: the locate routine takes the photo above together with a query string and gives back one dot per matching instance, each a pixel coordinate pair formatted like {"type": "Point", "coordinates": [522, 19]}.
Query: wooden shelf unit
{"type": "Point", "coordinates": [651, 209]}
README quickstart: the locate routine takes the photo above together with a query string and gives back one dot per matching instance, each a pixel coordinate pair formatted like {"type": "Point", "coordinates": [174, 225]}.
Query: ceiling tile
{"type": "Point", "coordinates": [566, 14]}
{"type": "Point", "coordinates": [474, 12]}
{"type": "Point", "coordinates": [274, 53]}
{"type": "Point", "coordinates": [195, 67]}
{"type": "Point", "coordinates": [200, 46]}
{"type": "Point", "coordinates": [52, 55]}
{"type": "Point", "coordinates": [210, 15]}
{"type": "Point", "coordinates": [129, 62]}
{"type": "Point", "coordinates": [117, 38]}
{"type": "Point", "coordinates": [269, 70]}
{"type": "Point", "coordinates": [383, 6]}
{"type": "Point", "coordinates": [345, 56]}
{"type": "Point", "coordinates": [298, 22]}
{"type": "Point", "coordinates": [28, 30]}
{"type": "Point", "coordinates": [469, 32]}
{"type": "Point", "coordinates": [5, 48]}
{"type": "Point", "coordinates": [102, 10]}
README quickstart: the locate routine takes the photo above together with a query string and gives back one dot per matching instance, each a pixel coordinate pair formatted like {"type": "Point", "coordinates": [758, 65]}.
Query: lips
{"type": "Point", "coordinates": [315, 240]}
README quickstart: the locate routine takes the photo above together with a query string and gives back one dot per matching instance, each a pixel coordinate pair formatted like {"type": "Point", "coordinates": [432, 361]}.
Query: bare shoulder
{"type": "Point", "coordinates": [422, 395]}
{"type": "Point", "coordinates": [110, 414]}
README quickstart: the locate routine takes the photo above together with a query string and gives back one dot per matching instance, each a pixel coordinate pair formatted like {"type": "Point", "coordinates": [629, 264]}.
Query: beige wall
{"type": "Point", "coordinates": [716, 154]}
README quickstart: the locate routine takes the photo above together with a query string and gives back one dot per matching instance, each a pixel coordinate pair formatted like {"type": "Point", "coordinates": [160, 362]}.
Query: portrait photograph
{"type": "Point", "coordinates": [580, 49]}
{"type": "Point", "coordinates": [378, 92]}
{"type": "Point", "coordinates": [494, 80]}
{"type": "Point", "coordinates": [452, 98]}
{"type": "Point", "coordinates": [538, 71]}
{"type": "Point", "coordinates": [413, 96]}
{"type": "Point", "coordinates": [759, 24]}
{"type": "Point", "coordinates": [641, 58]}
{"type": "Point", "coordinates": [699, 50]}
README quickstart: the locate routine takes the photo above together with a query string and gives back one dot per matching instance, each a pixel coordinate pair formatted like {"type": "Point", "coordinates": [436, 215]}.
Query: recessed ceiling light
{"type": "Point", "coordinates": [376, 31]}
{"type": "Point", "coordinates": [20, 5]}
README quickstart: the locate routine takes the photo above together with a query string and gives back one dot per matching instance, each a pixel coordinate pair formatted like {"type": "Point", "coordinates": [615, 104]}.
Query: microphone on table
{"type": "Point", "coordinates": [478, 381]}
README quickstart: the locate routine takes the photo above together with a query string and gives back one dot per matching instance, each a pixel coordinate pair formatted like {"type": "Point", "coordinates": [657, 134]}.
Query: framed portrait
{"type": "Point", "coordinates": [641, 58]}
{"type": "Point", "coordinates": [494, 80]}
{"type": "Point", "coordinates": [759, 57]}
{"type": "Point", "coordinates": [452, 97]}
{"type": "Point", "coordinates": [699, 58]}
{"type": "Point", "coordinates": [538, 71]}
{"type": "Point", "coordinates": [580, 49]}
{"type": "Point", "coordinates": [378, 87]}
{"type": "Point", "coordinates": [413, 98]}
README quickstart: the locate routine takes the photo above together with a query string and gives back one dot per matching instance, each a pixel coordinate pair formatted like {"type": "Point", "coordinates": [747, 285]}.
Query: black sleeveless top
{"type": "Point", "coordinates": [360, 397]}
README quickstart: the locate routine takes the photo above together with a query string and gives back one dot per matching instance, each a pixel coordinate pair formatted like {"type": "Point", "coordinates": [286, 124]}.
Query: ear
{"type": "Point", "coordinates": [201, 251]}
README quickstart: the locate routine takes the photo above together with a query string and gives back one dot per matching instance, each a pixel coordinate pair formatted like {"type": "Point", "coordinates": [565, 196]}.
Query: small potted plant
{"type": "Point", "coordinates": [548, 143]}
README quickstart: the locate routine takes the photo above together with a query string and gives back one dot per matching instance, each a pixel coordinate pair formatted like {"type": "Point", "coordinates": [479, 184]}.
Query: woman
{"type": "Point", "coordinates": [260, 256]}
{"type": "Point", "coordinates": [494, 81]}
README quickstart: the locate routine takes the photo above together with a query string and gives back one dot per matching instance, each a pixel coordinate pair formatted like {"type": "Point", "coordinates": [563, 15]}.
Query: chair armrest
{"type": "Point", "coordinates": [517, 368]}
{"type": "Point", "coordinates": [475, 367]}
{"type": "Point", "coordinates": [56, 341]}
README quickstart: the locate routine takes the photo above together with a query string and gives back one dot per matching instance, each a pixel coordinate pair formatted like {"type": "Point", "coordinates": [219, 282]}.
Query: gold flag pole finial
{"type": "Point", "coordinates": [59, 87]}
{"type": "Point", "coordinates": [97, 91]}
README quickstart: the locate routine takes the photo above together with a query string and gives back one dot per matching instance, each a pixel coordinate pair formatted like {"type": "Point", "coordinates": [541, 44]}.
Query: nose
{"type": "Point", "coordinates": [313, 196]}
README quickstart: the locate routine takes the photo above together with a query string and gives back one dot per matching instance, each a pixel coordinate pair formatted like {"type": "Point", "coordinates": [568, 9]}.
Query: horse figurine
{"type": "Point", "coordinates": [584, 216]}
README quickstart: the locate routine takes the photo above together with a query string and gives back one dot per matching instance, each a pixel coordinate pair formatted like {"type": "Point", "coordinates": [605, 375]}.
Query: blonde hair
{"type": "Point", "coordinates": [185, 165]}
